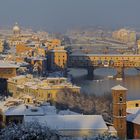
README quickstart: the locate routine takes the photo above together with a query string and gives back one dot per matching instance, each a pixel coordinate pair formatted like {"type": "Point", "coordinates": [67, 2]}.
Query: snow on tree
{"type": "Point", "coordinates": [28, 131]}
{"type": "Point", "coordinates": [36, 131]}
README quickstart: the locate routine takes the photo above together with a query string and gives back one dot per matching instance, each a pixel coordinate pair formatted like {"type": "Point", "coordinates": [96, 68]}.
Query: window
{"type": "Point", "coordinates": [121, 126]}
{"type": "Point", "coordinates": [121, 99]}
{"type": "Point", "coordinates": [137, 105]}
{"type": "Point", "coordinates": [49, 95]}
{"type": "Point", "coordinates": [121, 112]}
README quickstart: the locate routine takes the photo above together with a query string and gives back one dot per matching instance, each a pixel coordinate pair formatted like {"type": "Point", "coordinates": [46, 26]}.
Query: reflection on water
{"type": "Point", "coordinates": [103, 84]}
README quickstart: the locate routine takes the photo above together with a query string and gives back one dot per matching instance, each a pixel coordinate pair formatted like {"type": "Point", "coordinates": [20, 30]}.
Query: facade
{"type": "Point", "coordinates": [119, 110]}
{"type": "Point", "coordinates": [23, 49]}
{"type": "Point", "coordinates": [7, 70]}
{"type": "Point", "coordinates": [43, 90]}
{"type": "Point", "coordinates": [138, 46]}
{"type": "Point", "coordinates": [38, 65]}
{"type": "Point", "coordinates": [133, 123]}
{"type": "Point", "coordinates": [125, 36]}
{"type": "Point", "coordinates": [57, 59]}
{"type": "Point", "coordinates": [133, 104]}
{"type": "Point", "coordinates": [53, 43]}
{"type": "Point", "coordinates": [1, 46]}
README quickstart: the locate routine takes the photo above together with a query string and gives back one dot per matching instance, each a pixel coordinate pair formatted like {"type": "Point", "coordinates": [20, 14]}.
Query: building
{"type": "Point", "coordinates": [125, 35]}
{"type": "Point", "coordinates": [23, 49]}
{"type": "Point", "coordinates": [16, 29]}
{"type": "Point", "coordinates": [119, 110]}
{"type": "Point", "coordinates": [133, 123]}
{"type": "Point", "coordinates": [7, 69]}
{"type": "Point", "coordinates": [57, 59]}
{"type": "Point", "coordinates": [1, 46]}
{"type": "Point", "coordinates": [52, 43]}
{"type": "Point", "coordinates": [133, 104]}
{"type": "Point", "coordinates": [38, 65]}
{"type": "Point", "coordinates": [73, 125]}
{"type": "Point", "coordinates": [41, 89]}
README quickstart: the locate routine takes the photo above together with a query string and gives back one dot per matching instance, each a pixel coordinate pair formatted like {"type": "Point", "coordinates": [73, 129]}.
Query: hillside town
{"type": "Point", "coordinates": [36, 86]}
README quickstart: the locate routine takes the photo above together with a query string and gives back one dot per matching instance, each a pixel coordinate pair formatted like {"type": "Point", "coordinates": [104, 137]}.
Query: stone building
{"type": "Point", "coordinates": [133, 121]}
{"type": "Point", "coordinates": [119, 110]}
{"type": "Point", "coordinates": [43, 90]}
{"type": "Point", "coordinates": [57, 59]}
{"type": "Point", "coordinates": [1, 46]}
{"type": "Point", "coordinates": [125, 35]}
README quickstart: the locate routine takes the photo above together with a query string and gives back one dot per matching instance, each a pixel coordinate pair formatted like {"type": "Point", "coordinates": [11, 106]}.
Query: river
{"type": "Point", "coordinates": [102, 83]}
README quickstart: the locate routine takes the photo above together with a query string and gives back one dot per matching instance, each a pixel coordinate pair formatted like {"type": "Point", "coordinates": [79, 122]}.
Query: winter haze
{"type": "Point", "coordinates": [59, 15]}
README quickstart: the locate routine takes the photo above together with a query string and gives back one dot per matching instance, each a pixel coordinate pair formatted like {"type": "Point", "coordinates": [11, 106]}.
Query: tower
{"type": "Point", "coordinates": [16, 29]}
{"type": "Point", "coordinates": [119, 110]}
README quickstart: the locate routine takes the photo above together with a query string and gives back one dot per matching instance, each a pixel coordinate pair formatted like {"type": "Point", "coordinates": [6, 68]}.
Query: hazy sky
{"type": "Point", "coordinates": [57, 15]}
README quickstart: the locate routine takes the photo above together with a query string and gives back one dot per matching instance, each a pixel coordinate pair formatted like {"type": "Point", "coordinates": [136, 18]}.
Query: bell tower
{"type": "Point", "coordinates": [119, 110]}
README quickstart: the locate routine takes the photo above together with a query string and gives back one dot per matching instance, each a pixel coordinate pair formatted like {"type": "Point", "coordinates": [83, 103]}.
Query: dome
{"type": "Point", "coordinates": [16, 29]}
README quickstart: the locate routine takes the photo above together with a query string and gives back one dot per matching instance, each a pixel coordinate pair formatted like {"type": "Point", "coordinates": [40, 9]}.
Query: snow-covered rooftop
{"type": "Point", "coordinates": [67, 112]}
{"type": "Point", "coordinates": [132, 110]}
{"type": "Point", "coordinates": [5, 64]}
{"type": "Point", "coordinates": [34, 111]}
{"type": "Point", "coordinates": [134, 118]}
{"type": "Point", "coordinates": [118, 87]}
{"type": "Point", "coordinates": [70, 122]}
{"type": "Point", "coordinates": [16, 110]}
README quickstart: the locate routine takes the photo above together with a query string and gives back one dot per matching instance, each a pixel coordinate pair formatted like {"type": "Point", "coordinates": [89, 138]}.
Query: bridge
{"type": "Point", "coordinates": [93, 61]}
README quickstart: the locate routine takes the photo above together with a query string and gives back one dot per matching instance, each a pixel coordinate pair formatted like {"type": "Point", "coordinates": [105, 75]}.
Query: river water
{"type": "Point", "coordinates": [102, 83]}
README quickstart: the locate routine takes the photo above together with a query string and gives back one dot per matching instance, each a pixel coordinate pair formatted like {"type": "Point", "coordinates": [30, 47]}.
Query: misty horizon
{"type": "Point", "coordinates": [59, 16]}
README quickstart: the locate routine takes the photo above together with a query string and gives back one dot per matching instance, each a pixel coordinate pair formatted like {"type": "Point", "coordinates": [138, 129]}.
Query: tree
{"type": "Point", "coordinates": [28, 131]}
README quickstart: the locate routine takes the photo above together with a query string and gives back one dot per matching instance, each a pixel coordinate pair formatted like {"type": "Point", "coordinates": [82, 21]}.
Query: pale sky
{"type": "Point", "coordinates": [60, 15]}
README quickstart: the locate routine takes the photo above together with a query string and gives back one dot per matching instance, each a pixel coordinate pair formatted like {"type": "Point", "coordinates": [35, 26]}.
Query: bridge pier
{"type": "Point", "coordinates": [90, 73]}
{"type": "Point", "coordinates": [120, 73]}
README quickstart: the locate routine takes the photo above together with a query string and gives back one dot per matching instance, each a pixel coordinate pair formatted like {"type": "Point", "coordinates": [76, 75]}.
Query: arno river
{"type": "Point", "coordinates": [102, 82]}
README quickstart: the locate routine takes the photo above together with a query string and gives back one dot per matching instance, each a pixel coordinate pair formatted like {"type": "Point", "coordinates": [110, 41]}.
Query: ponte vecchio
{"type": "Point", "coordinates": [93, 61]}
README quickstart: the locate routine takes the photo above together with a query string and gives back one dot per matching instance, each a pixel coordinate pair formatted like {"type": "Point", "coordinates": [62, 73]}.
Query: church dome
{"type": "Point", "coordinates": [16, 29]}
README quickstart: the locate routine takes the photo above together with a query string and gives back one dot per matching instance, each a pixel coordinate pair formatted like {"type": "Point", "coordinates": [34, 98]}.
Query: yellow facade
{"type": "Point", "coordinates": [58, 59]}
{"type": "Point", "coordinates": [44, 90]}
{"type": "Point", "coordinates": [7, 72]}
{"type": "Point", "coordinates": [124, 35]}
{"type": "Point", "coordinates": [133, 104]}
{"type": "Point", "coordinates": [1, 46]}
{"type": "Point", "coordinates": [42, 51]}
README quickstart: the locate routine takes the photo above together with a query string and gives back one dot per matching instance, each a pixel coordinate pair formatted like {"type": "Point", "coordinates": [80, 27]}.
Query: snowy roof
{"type": "Point", "coordinates": [24, 110]}
{"type": "Point", "coordinates": [70, 122]}
{"type": "Point", "coordinates": [134, 118]}
{"type": "Point", "coordinates": [58, 51]}
{"type": "Point", "coordinates": [37, 58]}
{"type": "Point", "coordinates": [34, 111]}
{"type": "Point", "coordinates": [121, 55]}
{"type": "Point", "coordinates": [19, 77]}
{"type": "Point", "coordinates": [5, 64]}
{"type": "Point", "coordinates": [49, 110]}
{"type": "Point", "coordinates": [111, 129]}
{"type": "Point", "coordinates": [132, 110]}
{"type": "Point", "coordinates": [67, 112]}
{"type": "Point", "coordinates": [119, 87]}
{"type": "Point", "coordinates": [8, 102]}
{"type": "Point", "coordinates": [16, 110]}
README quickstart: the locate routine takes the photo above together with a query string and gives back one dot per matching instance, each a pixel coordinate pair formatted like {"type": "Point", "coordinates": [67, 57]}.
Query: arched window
{"type": "Point", "coordinates": [137, 105]}
{"type": "Point", "coordinates": [121, 112]}
{"type": "Point", "coordinates": [121, 99]}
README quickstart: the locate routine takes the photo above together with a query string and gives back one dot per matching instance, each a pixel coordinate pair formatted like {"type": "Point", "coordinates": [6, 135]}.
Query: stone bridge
{"type": "Point", "coordinates": [93, 61]}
